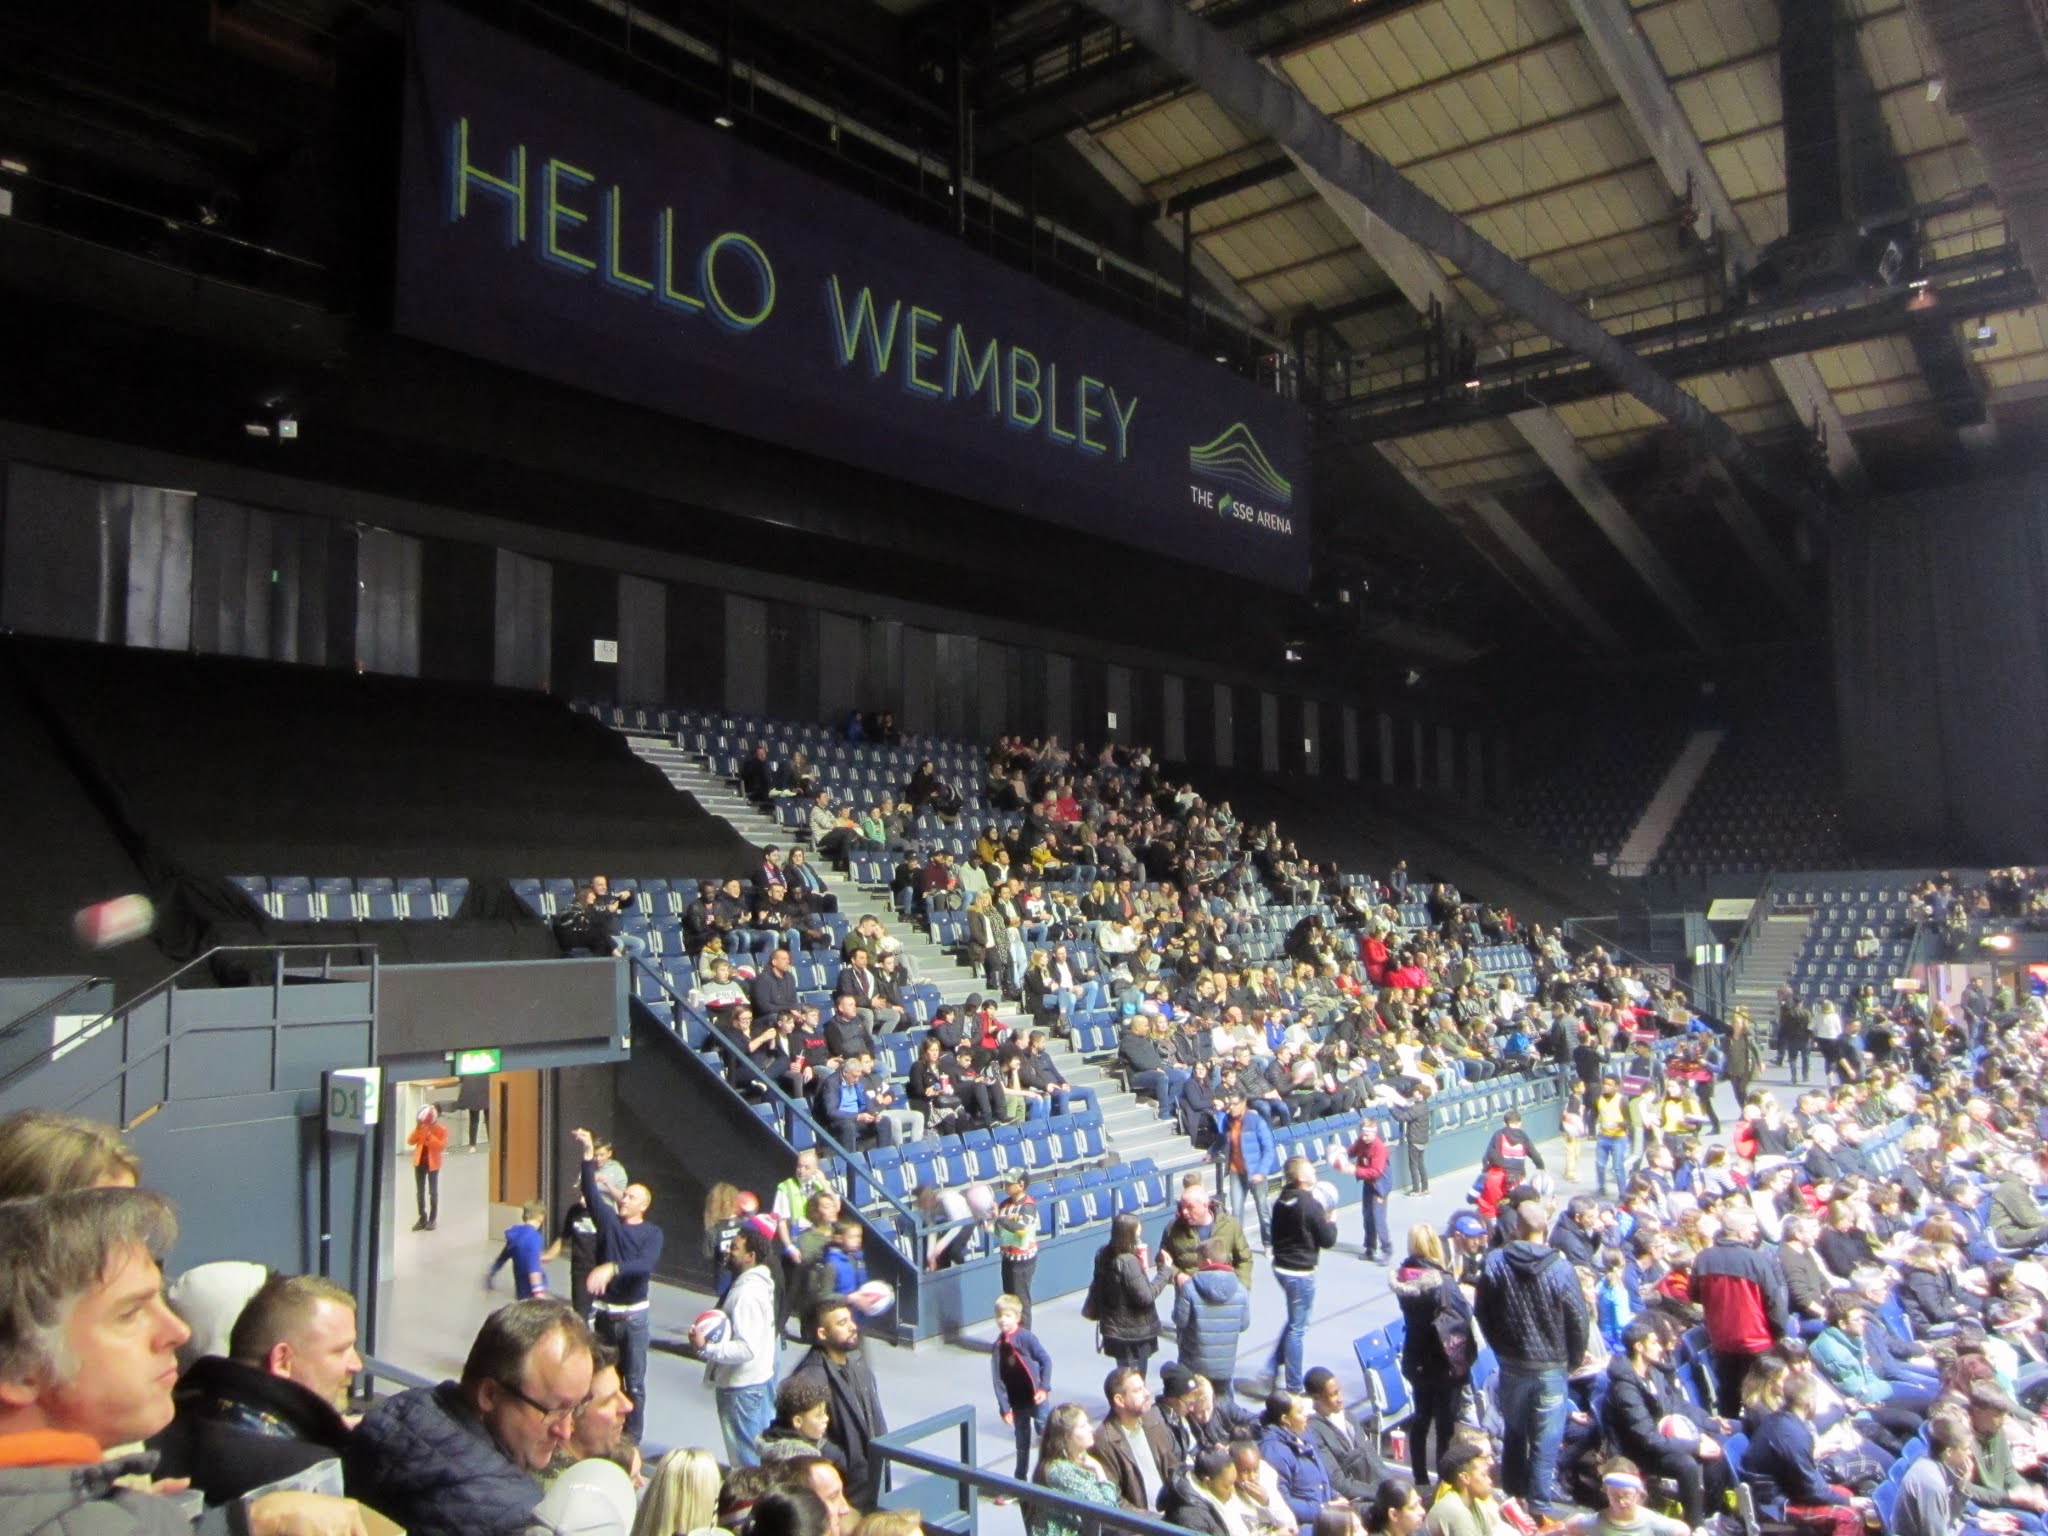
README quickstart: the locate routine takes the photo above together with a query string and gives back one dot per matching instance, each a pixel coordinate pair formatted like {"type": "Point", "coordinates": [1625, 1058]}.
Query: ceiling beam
{"type": "Point", "coordinates": [1423, 280]}
{"type": "Point", "coordinates": [1543, 430]}
{"type": "Point", "coordinates": [1653, 107]}
{"type": "Point", "coordinates": [1132, 191]}
{"type": "Point", "coordinates": [1558, 586]}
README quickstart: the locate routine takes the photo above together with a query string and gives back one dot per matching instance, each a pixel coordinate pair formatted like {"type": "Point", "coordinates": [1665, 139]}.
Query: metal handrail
{"type": "Point", "coordinates": [51, 1002]}
{"type": "Point", "coordinates": [48, 1052]}
{"type": "Point", "coordinates": [825, 1137]}
{"type": "Point", "coordinates": [960, 1468]}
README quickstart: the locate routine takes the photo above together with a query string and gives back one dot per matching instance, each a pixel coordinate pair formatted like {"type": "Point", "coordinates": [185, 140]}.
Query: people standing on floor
{"type": "Point", "coordinates": [1742, 1293]}
{"type": "Point", "coordinates": [429, 1142]}
{"type": "Point", "coordinates": [838, 1359]}
{"type": "Point", "coordinates": [1016, 1234]}
{"type": "Point", "coordinates": [1529, 1306]}
{"type": "Point", "coordinates": [1743, 1058]}
{"type": "Point", "coordinates": [1437, 1343]}
{"type": "Point", "coordinates": [1413, 1116]}
{"type": "Point", "coordinates": [628, 1248]}
{"type": "Point", "coordinates": [1512, 1150]}
{"type": "Point", "coordinates": [522, 1251]}
{"type": "Point", "coordinates": [1795, 1038]}
{"type": "Point", "coordinates": [1022, 1372]}
{"type": "Point", "coordinates": [1610, 1138]}
{"type": "Point", "coordinates": [1123, 1294]}
{"type": "Point", "coordinates": [1302, 1229]}
{"type": "Point", "coordinates": [742, 1364]}
{"type": "Point", "coordinates": [1248, 1159]}
{"type": "Point", "coordinates": [1211, 1308]}
{"type": "Point", "coordinates": [1371, 1163]}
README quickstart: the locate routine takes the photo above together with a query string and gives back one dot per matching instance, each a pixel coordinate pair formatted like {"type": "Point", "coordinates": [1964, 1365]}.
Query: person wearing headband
{"type": "Point", "coordinates": [1627, 1512]}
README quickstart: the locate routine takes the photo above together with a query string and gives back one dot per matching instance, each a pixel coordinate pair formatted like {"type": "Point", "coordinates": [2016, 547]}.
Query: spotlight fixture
{"type": "Point", "coordinates": [723, 120]}
{"type": "Point", "coordinates": [288, 429]}
{"type": "Point", "coordinates": [1924, 298]}
{"type": "Point", "coordinates": [1997, 941]}
{"type": "Point", "coordinates": [1294, 653]}
{"type": "Point", "coordinates": [1935, 87]}
{"type": "Point", "coordinates": [1222, 357]}
{"type": "Point", "coordinates": [1984, 335]}
{"type": "Point", "coordinates": [256, 428]}
{"type": "Point", "coordinates": [1472, 383]}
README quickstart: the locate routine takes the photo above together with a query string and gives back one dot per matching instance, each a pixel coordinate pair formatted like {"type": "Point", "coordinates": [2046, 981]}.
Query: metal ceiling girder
{"type": "Point", "coordinates": [1416, 273]}
{"type": "Point", "coordinates": [1618, 42]}
{"type": "Point", "coordinates": [1132, 191]}
{"type": "Point", "coordinates": [1555, 445]}
{"type": "Point", "coordinates": [1515, 538]}
{"type": "Point", "coordinates": [1274, 107]}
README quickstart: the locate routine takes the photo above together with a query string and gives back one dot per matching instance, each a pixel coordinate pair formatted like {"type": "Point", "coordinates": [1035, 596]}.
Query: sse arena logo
{"type": "Point", "coordinates": [1235, 456]}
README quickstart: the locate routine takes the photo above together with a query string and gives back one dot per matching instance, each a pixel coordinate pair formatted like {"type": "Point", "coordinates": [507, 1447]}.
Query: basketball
{"type": "Point", "coordinates": [873, 1299]}
{"type": "Point", "coordinates": [746, 1203]}
{"type": "Point", "coordinates": [107, 923]}
{"type": "Point", "coordinates": [1326, 1195]}
{"type": "Point", "coordinates": [711, 1327]}
{"type": "Point", "coordinates": [980, 1199]}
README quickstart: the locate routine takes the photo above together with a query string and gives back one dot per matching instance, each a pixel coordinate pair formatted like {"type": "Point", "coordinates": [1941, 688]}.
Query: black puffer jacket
{"type": "Point", "coordinates": [1427, 1291]}
{"type": "Point", "coordinates": [1530, 1307]}
{"type": "Point", "coordinates": [425, 1460]}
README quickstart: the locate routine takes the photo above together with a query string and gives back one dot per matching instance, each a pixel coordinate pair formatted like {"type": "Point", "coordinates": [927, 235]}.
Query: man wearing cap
{"type": "Point", "coordinates": [1530, 1307]}
{"type": "Point", "coordinates": [1468, 1247]}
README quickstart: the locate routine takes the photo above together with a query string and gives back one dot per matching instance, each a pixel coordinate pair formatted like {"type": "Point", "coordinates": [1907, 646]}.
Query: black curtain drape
{"type": "Point", "coordinates": [1940, 628]}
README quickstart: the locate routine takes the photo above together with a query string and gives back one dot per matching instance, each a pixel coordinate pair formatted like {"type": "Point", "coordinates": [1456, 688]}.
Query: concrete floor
{"type": "Point", "coordinates": [439, 1301]}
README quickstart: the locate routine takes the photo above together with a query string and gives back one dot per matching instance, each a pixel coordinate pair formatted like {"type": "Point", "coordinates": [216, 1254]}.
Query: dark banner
{"type": "Point", "coordinates": [558, 225]}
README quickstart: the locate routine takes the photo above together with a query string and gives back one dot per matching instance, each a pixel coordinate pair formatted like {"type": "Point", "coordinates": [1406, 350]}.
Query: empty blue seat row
{"type": "Point", "coordinates": [976, 1156]}
{"type": "Point", "coordinates": [341, 899]}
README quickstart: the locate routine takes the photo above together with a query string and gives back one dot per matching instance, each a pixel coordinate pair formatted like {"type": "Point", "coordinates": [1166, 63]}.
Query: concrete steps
{"type": "Point", "coordinates": [1767, 964]}
{"type": "Point", "coordinates": [1129, 1128]}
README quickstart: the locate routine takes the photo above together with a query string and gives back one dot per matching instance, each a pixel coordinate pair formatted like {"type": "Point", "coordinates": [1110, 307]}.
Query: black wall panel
{"type": "Point", "coordinates": [586, 609]}
{"type": "Point", "coordinates": [696, 646]}
{"type": "Point", "coordinates": [1090, 696]}
{"type": "Point", "coordinates": [1198, 698]}
{"type": "Point", "coordinates": [1247, 737]}
{"type": "Point", "coordinates": [792, 662]}
{"type": "Point", "coordinates": [457, 611]}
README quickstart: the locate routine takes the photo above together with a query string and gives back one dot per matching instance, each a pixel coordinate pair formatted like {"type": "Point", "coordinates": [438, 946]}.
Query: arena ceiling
{"type": "Point", "coordinates": [1630, 155]}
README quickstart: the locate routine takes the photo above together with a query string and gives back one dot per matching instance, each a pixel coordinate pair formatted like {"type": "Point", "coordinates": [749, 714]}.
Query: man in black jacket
{"type": "Point", "coordinates": [836, 1362]}
{"type": "Point", "coordinates": [774, 989]}
{"type": "Point", "coordinates": [1512, 1150]}
{"type": "Point", "coordinates": [272, 1407]}
{"type": "Point", "coordinates": [1345, 1449]}
{"type": "Point", "coordinates": [1577, 1234]}
{"type": "Point", "coordinates": [1301, 1230]}
{"type": "Point", "coordinates": [1530, 1307]}
{"type": "Point", "coordinates": [1636, 1409]}
{"type": "Point", "coordinates": [465, 1458]}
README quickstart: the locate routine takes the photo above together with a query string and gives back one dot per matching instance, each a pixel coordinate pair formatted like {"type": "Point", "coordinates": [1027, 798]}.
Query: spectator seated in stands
{"type": "Point", "coordinates": [271, 1408]}
{"type": "Point", "coordinates": [465, 1458]}
{"type": "Point", "coordinates": [863, 985]}
{"type": "Point", "coordinates": [88, 1358]}
{"type": "Point", "coordinates": [806, 885]}
{"type": "Point", "coordinates": [591, 923]}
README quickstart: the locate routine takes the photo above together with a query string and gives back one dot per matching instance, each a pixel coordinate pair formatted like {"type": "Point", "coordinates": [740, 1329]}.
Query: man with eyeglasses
{"type": "Point", "coordinates": [465, 1458]}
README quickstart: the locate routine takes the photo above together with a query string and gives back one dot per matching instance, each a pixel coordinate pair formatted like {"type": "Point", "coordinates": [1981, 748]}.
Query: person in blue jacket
{"type": "Point", "coordinates": [1022, 1373]}
{"type": "Point", "coordinates": [522, 1251]}
{"type": "Point", "coordinates": [1247, 1159]}
{"type": "Point", "coordinates": [1284, 1442]}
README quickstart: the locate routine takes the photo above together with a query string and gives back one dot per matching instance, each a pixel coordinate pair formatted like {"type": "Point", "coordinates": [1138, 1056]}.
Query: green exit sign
{"type": "Point", "coordinates": [477, 1063]}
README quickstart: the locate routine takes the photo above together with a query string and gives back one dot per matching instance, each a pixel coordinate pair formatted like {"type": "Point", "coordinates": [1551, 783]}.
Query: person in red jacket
{"type": "Point", "coordinates": [1369, 1161]}
{"type": "Point", "coordinates": [428, 1140]}
{"type": "Point", "coordinates": [1742, 1293]}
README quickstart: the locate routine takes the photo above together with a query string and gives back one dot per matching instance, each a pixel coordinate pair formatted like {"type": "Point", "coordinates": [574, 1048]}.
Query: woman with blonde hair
{"type": "Point", "coordinates": [1434, 1315]}
{"type": "Point", "coordinates": [681, 1496]}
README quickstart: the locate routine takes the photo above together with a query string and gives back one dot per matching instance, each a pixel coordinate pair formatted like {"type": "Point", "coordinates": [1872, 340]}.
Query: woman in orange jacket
{"type": "Point", "coordinates": [429, 1140]}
